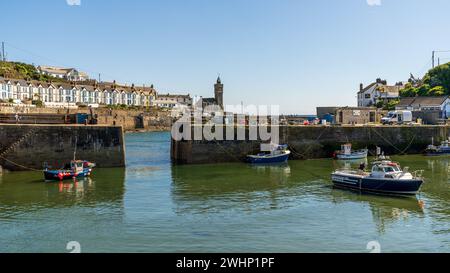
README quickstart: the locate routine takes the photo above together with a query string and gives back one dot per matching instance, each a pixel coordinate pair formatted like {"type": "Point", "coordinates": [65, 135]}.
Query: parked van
{"type": "Point", "coordinates": [398, 117]}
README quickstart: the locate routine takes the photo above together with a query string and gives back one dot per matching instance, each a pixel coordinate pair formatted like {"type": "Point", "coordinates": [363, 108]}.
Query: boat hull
{"type": "Point", "coordinates": [437, 153]}
{"type": "Point", "coordinates": [59, 175]}
{"type": "Point", "coordinates": [353, 155]}
{"type": "Point", "coordinates": [253, 159]}
{"type": "Point", "coordinates": [378, 185]}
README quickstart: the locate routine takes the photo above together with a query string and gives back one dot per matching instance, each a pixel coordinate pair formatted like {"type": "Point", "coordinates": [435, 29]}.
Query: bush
{"type": "Point", "coordinates": [38, 103]}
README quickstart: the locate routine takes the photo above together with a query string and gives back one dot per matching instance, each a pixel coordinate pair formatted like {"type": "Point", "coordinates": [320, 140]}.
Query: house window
{"type": "Point", "coordinates": [50, 94]}
{"type": "Point", "coordinates": [367, 96]}
{"type": "Point", "coordinates": [130, 99]}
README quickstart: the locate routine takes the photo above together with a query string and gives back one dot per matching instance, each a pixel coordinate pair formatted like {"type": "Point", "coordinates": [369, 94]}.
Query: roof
{"type": "Point", "coordinates": [21, 82]}
{"type": "Point", "coordinates": [87, 87]}
{"type": "Point", "coordinates": [367, 88]}
{"type": "Point", "coordinates": [174, 96]}
{"type": "Point", "coordinates": [391, 89]}
{"type": "Point", "coordinates": [422, 101]}
{"type": "Point", "coordinates": [384, 88]}
{"type": "Point", "coordinates": [90, 87]}
{"type": "Point", "coordinates": [356, 108]}
{"type": "Point", "coordinates": [55, 70]}
{"type": "Point", "coordinates": [209, 100]}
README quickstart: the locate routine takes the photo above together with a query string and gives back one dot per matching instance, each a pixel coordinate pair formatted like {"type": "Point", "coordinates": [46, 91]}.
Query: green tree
{"type": "Point", "coordinates": [439, 76]}
{"type": "Point", "coordinates": [408, 92]}
{"type": "Point", "coordinates": [423, 90]}
{"type": "Point", "coordinates": [436, 91]}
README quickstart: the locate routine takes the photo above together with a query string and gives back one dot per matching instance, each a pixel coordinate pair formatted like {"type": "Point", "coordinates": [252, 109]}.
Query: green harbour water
{"type": "Point", "coordinates": [154, 206]}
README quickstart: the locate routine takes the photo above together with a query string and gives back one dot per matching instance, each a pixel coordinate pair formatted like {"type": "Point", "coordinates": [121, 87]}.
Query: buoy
{"type": "Point", "coordinates": [421, 204]}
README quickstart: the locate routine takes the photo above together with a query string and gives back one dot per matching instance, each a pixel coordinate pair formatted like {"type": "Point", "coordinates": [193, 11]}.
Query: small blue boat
{"type": "Point", "coordinates": [443, 149]}
{"type": "Point", "coordinates": [279, 154]}
{"type": "Point", "coordinates": [78, 169]}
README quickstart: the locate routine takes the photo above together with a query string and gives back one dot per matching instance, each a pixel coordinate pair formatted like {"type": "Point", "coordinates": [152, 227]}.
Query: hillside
{"type": "Point", "coordinates": [17, 70]}
{"type": "Point", "coordinates": [436, 82]}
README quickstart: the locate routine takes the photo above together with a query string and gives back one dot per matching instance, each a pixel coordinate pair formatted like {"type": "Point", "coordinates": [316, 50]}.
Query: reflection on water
{"type": "Point", "coordinates": [385, 209]}
{"type": "Point", "coordinates": [153, 206]}
{"type": "Point", "coordinates": [27, 189]}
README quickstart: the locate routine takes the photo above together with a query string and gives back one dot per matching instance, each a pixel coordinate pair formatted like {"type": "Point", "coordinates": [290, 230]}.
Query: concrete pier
{"type": "Point", "coordinates": [28, 147]}
{"type": "Point", "coordinates": [310, 142]}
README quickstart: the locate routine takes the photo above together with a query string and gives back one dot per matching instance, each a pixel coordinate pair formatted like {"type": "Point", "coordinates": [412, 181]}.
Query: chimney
{"type": "Point", "coordinates": [361, 87]}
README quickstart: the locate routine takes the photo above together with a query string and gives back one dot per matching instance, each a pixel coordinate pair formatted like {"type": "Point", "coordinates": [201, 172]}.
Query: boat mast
{"type": "Point", "coordinates": [75, 150]}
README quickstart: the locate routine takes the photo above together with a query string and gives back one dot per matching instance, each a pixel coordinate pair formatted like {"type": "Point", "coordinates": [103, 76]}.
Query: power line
{"type": "Point", "coordinates": [433, 55]}
{"type": "Point", "coordinates": [55, 62]}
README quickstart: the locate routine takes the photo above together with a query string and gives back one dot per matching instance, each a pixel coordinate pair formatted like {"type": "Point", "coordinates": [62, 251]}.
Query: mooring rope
{"type": "Point", "coordinates": [19, 165]}
{"type": "Point", "coordinates": [300, 155]}
{"type": "Point", "coordinates": [402, 152]}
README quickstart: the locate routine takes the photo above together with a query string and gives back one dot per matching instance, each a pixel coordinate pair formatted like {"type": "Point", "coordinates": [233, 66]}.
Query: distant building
{"type": "Point", "coordinates": [173, 101]}
{"type": "Point", "coordinates": [359, 115]}
{"type": "Point", "coordinates": [431, 108]}
{"type": "Point", "coordinates": [378, 91]}
{"type": "Point", "coordinates": [218, 96]}
{"type": "Point", "coordinates": [70, 74]}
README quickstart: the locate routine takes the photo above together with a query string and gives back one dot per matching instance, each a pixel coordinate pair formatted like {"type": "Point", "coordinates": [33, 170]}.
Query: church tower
{"type": "Point", "coordinates": [218, 92]}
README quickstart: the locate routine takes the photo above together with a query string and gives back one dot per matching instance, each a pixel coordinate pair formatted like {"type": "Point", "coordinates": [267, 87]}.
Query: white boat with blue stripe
{"type": "Point", "coordinates": [346, 153]}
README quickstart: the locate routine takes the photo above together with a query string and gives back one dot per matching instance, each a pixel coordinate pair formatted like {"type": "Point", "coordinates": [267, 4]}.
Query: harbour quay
{"type": "Point", "coordinates": [33, 147]}
{"type": "Point", "coordinates": [312, 142]}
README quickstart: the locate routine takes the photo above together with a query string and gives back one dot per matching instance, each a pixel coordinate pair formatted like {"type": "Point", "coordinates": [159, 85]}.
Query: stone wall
{"type": "Point", "coordinates": [309, 142]}
{"type": "Point", "coordinates": [130, 120]}
{"type": "Point", "coordinates": [30, 146]}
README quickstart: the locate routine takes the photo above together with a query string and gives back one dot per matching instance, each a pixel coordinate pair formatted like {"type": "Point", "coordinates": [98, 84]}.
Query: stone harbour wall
{"type": "Point", "coordinates": [27, 147]}
{"type": "Point", "coordinates": [311, 142]}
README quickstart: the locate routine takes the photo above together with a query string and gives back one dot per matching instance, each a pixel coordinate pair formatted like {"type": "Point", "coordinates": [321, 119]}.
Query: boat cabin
{"type": "Point", "coordinates": [77, 166]}
{"type": "Point", "coordinates": [387, 169]}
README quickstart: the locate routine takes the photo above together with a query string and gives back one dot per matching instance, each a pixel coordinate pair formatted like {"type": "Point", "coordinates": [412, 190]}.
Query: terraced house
{"type": "Point", "coordinates": [59, 94]}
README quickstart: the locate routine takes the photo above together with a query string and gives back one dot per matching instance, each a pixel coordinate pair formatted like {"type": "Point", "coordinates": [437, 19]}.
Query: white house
{"type": "Point", "coordinates": [172, 101]}
{"type": "Point", "coordinates": [3, 89]}
{"type": "Point", "coordinates": [70, 74]}
{"type": "Point", "coordinates": [378, 91]}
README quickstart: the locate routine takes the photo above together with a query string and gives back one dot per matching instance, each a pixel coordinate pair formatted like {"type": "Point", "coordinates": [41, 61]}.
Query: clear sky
{"type": "Point", "coordinates": [298, 54]}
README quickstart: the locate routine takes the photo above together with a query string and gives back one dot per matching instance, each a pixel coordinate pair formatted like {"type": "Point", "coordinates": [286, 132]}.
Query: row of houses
{"type": "Point", "coordinates": [60, 94]}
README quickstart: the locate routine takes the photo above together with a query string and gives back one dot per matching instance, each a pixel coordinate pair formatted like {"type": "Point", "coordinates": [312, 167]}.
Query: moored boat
{"type": "Point", "coordinates": [443, 149]}
{"type": "Point", "coordinates": [386, 177]}
{"type": "Point", "coordinates": [78, 169]}
{"type": "Point", "coordinates": [279, 154]}
{"type": "Point", "coordinates": [346, 153]}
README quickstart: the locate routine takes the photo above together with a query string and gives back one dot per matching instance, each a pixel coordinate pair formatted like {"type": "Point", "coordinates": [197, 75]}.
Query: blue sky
{"type": "Point", "coordinates": [293, 53]}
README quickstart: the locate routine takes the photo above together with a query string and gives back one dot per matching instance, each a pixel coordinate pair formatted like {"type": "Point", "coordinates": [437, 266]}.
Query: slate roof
{"type": "Point", "coordinates": [422, 101]}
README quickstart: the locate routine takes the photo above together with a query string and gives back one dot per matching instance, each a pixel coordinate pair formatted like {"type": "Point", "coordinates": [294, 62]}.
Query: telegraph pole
{"type": "Point", "coordinates": [3, 52]}
{"type": "Point", "coordinates": [433, 58]}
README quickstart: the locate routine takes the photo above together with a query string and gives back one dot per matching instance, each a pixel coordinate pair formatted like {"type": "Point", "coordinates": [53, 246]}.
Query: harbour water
{"type": "Point", "coordinates": [153, 206]}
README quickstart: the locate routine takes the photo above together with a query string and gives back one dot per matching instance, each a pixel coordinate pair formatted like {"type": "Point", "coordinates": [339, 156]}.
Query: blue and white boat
{"type": "Point", "coordinates": [386, 177]}
{"type": "Point", "coordinates": [443, 149]}
{"type": "Point", "coordinates": [279, 154]}
{"type": "Point", "coordinates": [346, 153]}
